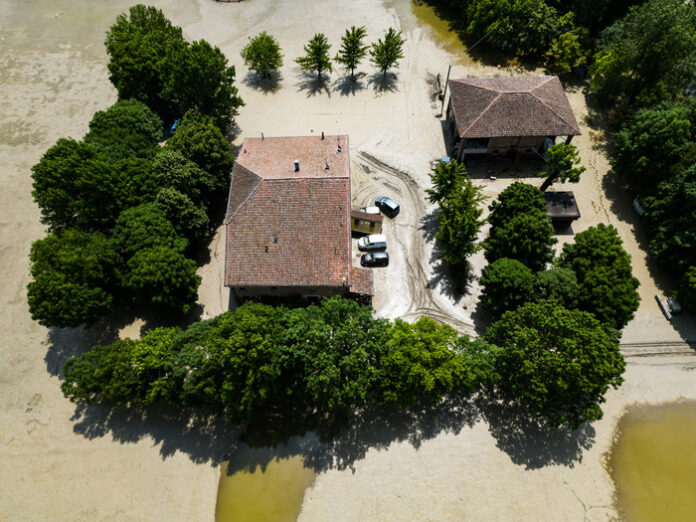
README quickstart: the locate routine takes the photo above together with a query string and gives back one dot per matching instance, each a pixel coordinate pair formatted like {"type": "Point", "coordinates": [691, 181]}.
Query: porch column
{"type": "Point", "coordinates": [569, 139]}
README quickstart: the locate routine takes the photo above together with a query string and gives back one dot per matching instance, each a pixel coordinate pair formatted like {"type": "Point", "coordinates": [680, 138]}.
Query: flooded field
{"type": "Point", "coordinates": [273, 494]}
{"type": "Point", "coordinates": [653, 463]}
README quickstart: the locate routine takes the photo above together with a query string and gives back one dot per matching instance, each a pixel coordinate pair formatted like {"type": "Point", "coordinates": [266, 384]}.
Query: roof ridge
{"type": "Point", "coordinates": [482, 87]}
{"type": "Point", "coordinates": [554, 111]}
{"type": "Point", "coordinates": [484, 111]}
{"type": "Point", "coordinates": [241, 205]}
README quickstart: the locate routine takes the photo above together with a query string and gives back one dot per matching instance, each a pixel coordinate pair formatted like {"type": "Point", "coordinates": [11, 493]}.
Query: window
{"type": "Point", "coordinates": [275, 240]}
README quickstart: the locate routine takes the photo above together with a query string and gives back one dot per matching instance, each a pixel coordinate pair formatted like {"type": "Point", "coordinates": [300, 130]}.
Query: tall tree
{"type": "Point", "coordinates": [559, 362]}
{"type": "Point", "coordinates": [563, 165]}
{"type": "Point", "coordinates": [385, 54]}
{"type": "Point", "coordinates": [196, 78]}
{"type": "Point", "coordinates": [73, 278]}
{"type": "Point", "coordinates": [687, 289]}
{"type": "Point", "coordinates": [527, 238]}
{"type": "Point", "coordinates": [137, 45]}
{"type": "Point", "coordinates": [352, 49]}
{"type": "Point", "coordinates": [316, 56]}
{"type": "Point", "coordinates": [603, 270]}
{"type": "Point", "coordinates": [262, 54]}
{"type": "Point", "coordinates": [517, 198]}
{"type": "Point", "coordinates": [507, 284]}
{"type": "Point", "coordinates": [648, 56]}
{"type": "Point", "coordinates": [446, 178]}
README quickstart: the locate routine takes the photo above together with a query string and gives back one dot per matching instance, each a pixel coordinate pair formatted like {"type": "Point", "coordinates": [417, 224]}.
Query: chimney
{"type": "Point", "coordinates": [322, 135]}
{"type": "Point", "coordinates": [339, 148]}
{"type": "Point", "coordinates": [262, 136]}
{"type": "Point", "coordinates": [326, 164]}
{"type": "Point", "coordinates": [297, 165]}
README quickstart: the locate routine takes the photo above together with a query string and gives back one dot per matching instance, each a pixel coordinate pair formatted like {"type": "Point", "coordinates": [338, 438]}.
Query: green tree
{"type": "Point", "coordinates": [655, 143]}
{"type": "Point", "coordinates": [671, 216]}
{"type": "Point", "coordinates": [568, 51]}
{"type": "Point", "coordinates": [559, 362]}
{"type": "Point", "coordinates": [171, 169]}
{"type": "Point", "coordinates": [421, 363]}
{"type": "Point", "coordinates": [459, 222]}
{"type": "Point", "coordinates": [527, 238]}
{"type": "Point", "coordinates": [603, 270]}
{"type": "Point", "coordinates": [74, 187]}
{"type": "Point", "coordinates": [161, 276]}
{"type": "Point", "coordinates": [316, 56]}
{"type": "Point", "coordinates": [189, 220]}
{"type": "Point", "coordinates": [648, 56]}
{"type": "Point", "coordinates": [137, 46]}
{"type": "Point", "coordinates": [385, 54]}
{"type": "Point", "coordinates": [262, 54]}
{"type": "Point", "coordinates": [446, 178]}
{"type": "Point", "coordinates": [72, 279]}
{"type": "Point", "coordinates": [199, 140]}
{"type": "Point", "coordinates": [559, 284]}
{"type": "Point", "coordinates": [518, 198]}
{"type": "Point", "coordinates": [507, 284]}
{"type": "Point", "coordinates": [196, 78]}
{"type": "Point", "coordinates": [352, 49]}
{"type": "Point", "coordinates": [687, 289]}
{"type": "Point", "coordinates": [563, 165]}
{"type": "Point", "coordinates": [145, 226]}
{"type": "Point", "coordinates": [524, 26]}
{"type": "Point", "coordinates": [127, 128]}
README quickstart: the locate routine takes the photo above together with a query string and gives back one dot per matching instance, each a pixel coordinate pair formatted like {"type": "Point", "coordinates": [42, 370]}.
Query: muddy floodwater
{"type": "Point", "coordinates": [273, 494]}
{"type": "Point", "coordinates": [653, 463]}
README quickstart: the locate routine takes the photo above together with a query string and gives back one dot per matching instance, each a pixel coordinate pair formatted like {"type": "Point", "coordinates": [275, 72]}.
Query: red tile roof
{"type": "Point", "coordinates": [288, 228]}
{"type": "Point", "coordinates": [361, 281]}
{"type": "Point", "coordinates": [504, 106]}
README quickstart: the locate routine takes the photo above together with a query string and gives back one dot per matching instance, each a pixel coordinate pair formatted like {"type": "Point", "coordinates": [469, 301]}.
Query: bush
{"type": "Point", "coordinates": [507, 284]}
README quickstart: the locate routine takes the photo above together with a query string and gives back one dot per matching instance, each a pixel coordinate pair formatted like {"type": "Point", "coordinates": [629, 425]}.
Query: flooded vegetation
{"type": "Point", "coordinates": [271, 494]}
{"type": "Point", "coordinates": [653, 463]}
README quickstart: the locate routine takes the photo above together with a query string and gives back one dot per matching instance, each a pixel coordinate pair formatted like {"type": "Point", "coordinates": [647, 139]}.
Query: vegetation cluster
{"type": "Point", "coordinates": [126, 215]}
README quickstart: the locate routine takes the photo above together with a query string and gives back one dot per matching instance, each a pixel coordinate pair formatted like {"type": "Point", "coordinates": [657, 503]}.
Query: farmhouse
{"type": "Point", "coordinates": [511, 117]}
{"type": "Point", "coordinates": [288, 220]}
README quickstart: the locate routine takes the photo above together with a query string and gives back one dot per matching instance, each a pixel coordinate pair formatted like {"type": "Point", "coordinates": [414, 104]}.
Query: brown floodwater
{"type": "Point", "coordinates": [273, 494]}
{"type": "Point", "coordinates": [653, 463]}
{"type": "Point", "coordinates": [412, 14]}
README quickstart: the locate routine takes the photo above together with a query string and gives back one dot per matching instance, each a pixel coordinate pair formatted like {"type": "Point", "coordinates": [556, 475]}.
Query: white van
{"type": "Point", "coordinates": [372, 242]}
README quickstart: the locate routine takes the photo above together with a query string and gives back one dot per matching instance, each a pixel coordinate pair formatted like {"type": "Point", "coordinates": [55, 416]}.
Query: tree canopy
{"type": "Point", "coordinates": [316, 56]}
{"type": "Point", "coordinates": [352, 50]}
{"type": "Point", "coordinates": [562, 165]}
{"type": "Point", "coordinates": [603, 271]}
{"type": "Point", "coordinates": [527, 238]}
{"type": "Point", "coordinates": [507, 284]}
{"type": "Point", "coordinates": [262, 54]}
{"type": "Point", "coordinates": [559, 362]}
{"type": "Point", "coordinates": [385, 54]}
{"type": "Point", "coordinates": [648, 56]}
{"type": "Point", "coordinates": [517, 198]}
{"type": "Point", "coordinates": [687, 289]}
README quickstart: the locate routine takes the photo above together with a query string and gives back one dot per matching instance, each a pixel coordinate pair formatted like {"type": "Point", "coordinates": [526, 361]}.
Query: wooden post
{"type": "Point", "coordinates": [444, 94]}
{"type": "Point", "coordinates": [569, 139]}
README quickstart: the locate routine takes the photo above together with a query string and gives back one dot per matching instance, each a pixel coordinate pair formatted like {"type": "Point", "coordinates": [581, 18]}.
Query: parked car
{"type": "Point", "coordinates": [369, 210]}
{"type": "Point", "coordinates": [372, 242]}
{"type": "Point", "coordinates": [388, 206]}
{"type": "Point", "coordinates": [374, 259]}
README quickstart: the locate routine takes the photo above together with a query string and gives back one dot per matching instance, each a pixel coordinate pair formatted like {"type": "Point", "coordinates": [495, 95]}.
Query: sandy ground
{"type": "Point", "coordinates": [63, 463]}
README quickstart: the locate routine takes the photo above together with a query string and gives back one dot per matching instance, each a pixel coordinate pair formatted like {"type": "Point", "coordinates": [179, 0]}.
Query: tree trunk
{"type": "Point", "coordinates": [547, 182]}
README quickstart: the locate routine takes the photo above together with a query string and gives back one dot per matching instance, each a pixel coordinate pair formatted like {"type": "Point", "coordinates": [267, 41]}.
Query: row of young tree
{"type": "Point", "coordinates": [263, 53]}
{"type": "Point", "coordinates": [333, 359]}
{"type": "Point", "coordinates": [645, 74]}
{"type": "Point", "coordinates": [124, 214]}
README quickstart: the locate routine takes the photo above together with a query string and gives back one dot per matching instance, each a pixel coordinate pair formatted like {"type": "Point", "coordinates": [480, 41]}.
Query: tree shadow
{"type": "Point", "coordinates": [313, 85]}
{"type": "Point", "coordinates": [266, 84]}
{"type": "Point", "coordinates": [382, 83]}
{"type": "Point", "coordinates": [454, 280]}
{"type": "Point", "coordinates": [530, 440]}
{"type": "Point", "coordinates": [348, 86]}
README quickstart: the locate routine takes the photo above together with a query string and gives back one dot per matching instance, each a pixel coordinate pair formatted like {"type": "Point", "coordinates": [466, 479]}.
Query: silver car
{"type": "Point", "coordinates": [372, 242]}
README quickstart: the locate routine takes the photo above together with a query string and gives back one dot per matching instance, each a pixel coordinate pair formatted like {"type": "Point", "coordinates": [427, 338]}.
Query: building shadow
{"type": "Point", "coordinates": [266, 84]}
{"type": "Point", "coordinates": [348, 86]}
{"type": "Point", "coordinates": [312, 85]}
{"type": "Point", "coordinates": [382, 83]}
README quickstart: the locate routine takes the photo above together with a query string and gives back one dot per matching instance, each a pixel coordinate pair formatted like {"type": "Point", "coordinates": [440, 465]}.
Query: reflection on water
{"type": "Point", "coordinates": [653, 463]}
{"type": "Point", "coordinates": [273, 494]}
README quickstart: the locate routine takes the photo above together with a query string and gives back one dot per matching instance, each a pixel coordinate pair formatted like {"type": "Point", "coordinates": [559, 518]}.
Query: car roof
{"type": "Point", "coordinates": [379, 254]}
{"type": "Point", "coordinates": [377, 237]}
